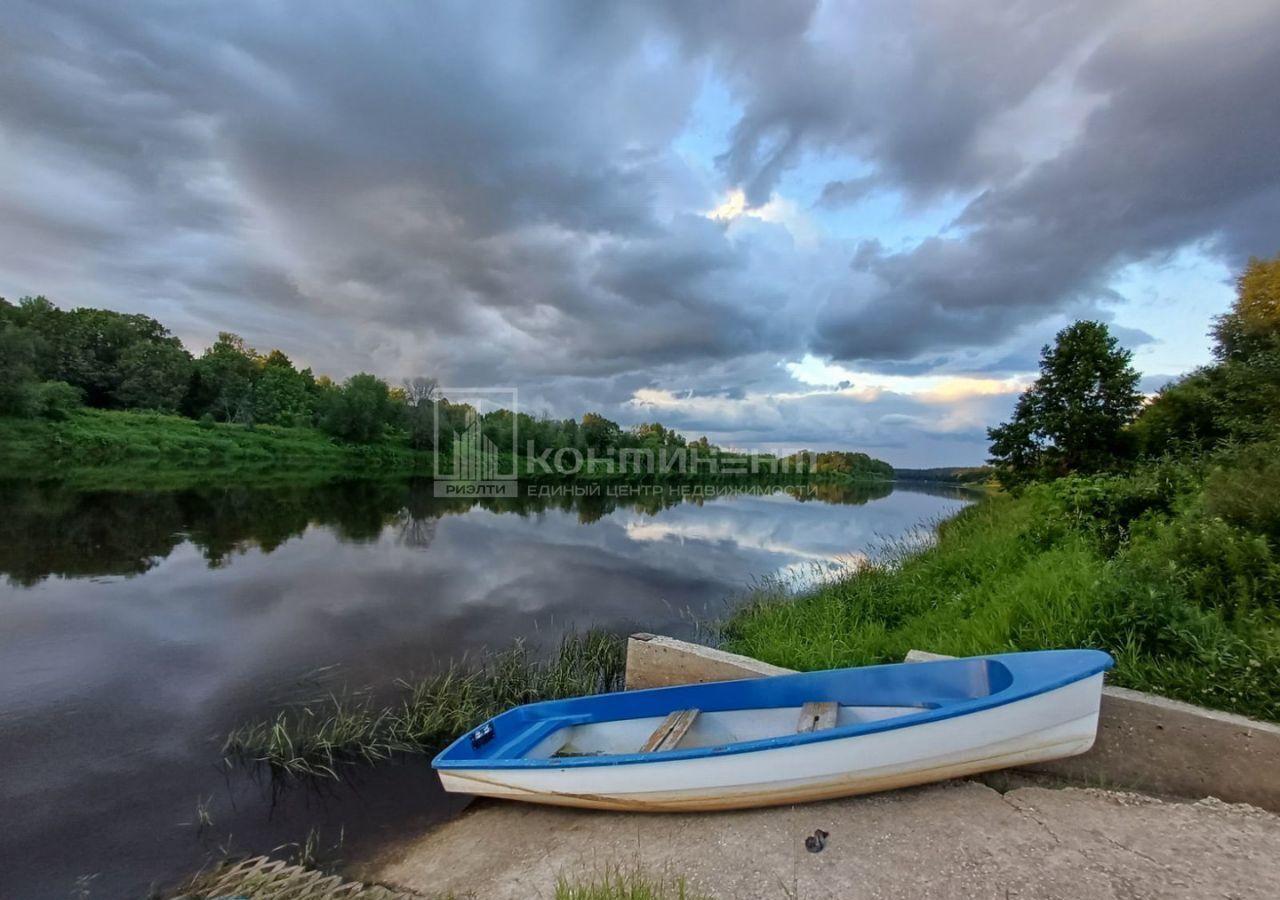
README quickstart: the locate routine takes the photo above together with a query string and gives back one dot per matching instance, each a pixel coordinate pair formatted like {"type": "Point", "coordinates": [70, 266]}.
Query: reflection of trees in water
{"type": "Point", "coordinates": [966, 492]}
{"type": "Point", "coordinates": [846, 493]}
{"type": "Point", "coordinates": [48, 530]}
{"type": "Point", "coordinates": [51, 529]}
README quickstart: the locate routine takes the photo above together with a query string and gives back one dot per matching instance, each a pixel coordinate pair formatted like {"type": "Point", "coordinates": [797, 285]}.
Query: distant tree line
{"type": "Point", "coordinates": [946, 474]}
{"type": "Point", "coordinates": [53, 361]}
{"type": "Point", "coordinates": [839, 462]}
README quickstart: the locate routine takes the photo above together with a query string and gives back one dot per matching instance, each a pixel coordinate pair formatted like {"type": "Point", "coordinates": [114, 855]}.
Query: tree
{"type": "Point", "coordinates": [421, 390]}
{"type": "Point", "coordinates": [153, 376]}
{"type": "Point", "coordinates": [17, 366]}
{"type": "Point", "coordinates": [224, 378]}
{"type": "Point", "coordinates": [360, 410]}
{"type": "Point", "coordinates": [421, 396]}
{"type": "Point", "coordinates": [599, 433]}
{"type": "Point", "coordinates": [90, 347]}
{"type": "Point", "coordinates": [1239, 396]}
{"type": "Point", "coordinates": [1252, 326]}
{"type": "Point", "coordinates": [52, 399]}
{"type": "Point", "coordinates": [1183, 415]}
{"type": "Point", "coordinates": [1073, 418]}
{"type": "Point", "coordinates": [281, 394]}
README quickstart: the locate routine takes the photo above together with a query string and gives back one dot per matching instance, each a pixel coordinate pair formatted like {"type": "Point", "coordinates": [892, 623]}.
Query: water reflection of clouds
{"type": "Point", "coordinates": [116, 687]}
{"type": "Point", "coordinates": [798, 542]}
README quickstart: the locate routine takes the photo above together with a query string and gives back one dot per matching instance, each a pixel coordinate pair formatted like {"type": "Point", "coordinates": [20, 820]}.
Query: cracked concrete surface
{"type": "Point", "coordinates": [954, 840]}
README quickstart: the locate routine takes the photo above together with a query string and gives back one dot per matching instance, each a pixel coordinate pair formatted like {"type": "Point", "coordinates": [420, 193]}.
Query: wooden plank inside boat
{"type": "Point", "coordinates": [816, 717]}
{"type": "Point", "coordinates": [672, 730]}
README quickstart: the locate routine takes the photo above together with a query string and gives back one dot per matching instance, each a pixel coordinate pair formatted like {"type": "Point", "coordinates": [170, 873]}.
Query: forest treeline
{"type": "Point", "coordinates": [54, 362]}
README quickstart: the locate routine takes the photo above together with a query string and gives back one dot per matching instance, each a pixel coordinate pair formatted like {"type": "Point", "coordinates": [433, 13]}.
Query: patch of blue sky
{"type": "Point", "coordinates": [707, 133]}
{"type": "Point", "coordinates": [1174, 300]}
{"type": "Point", "coordinates": [883, 214]}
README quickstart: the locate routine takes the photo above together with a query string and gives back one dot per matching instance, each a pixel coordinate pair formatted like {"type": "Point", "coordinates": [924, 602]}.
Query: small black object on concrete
{"type": "Point", "coordinates": [816, 841]}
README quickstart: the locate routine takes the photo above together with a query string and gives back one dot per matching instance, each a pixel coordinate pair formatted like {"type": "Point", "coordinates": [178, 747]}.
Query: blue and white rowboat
{"type": "Point", "coordinates": [785, 739]}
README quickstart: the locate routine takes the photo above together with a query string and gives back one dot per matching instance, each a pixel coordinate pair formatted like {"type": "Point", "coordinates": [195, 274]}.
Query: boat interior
{"type": "Point", "coordinates": [715, 715]}
{"type": "Point", "coordinates": [691, 729]}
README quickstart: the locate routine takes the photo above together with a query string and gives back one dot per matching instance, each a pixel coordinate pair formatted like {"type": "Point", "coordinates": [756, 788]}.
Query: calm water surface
{"type": "Point", "coordinates": [136, 629]}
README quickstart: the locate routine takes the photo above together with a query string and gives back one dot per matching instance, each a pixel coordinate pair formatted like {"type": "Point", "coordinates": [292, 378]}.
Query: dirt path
{"type": "Point", "coordinates": [955, 840]}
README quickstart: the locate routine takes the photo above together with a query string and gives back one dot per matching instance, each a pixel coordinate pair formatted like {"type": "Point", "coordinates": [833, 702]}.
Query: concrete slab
{"type": "Point", "coordinates": [953, 840]}
{"type": "Point", "coordinates": [1162, 746]}
{"type": "Point", "coordinates": [654, 660]}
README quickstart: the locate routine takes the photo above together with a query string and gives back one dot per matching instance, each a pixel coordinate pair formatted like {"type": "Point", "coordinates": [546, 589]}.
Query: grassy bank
{"type": "Point", "coordinates": [317, 739]}
{"type": "Point", "coordinates": [97, 449]}
{"type": "Point", "coordinates": [133, 442]}
{"type": "Point", "coordinates": [1172, 568]}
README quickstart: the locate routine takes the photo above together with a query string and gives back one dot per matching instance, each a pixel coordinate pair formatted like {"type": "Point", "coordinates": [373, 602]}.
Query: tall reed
{"type": "Point", "coordinates": [318, 739]}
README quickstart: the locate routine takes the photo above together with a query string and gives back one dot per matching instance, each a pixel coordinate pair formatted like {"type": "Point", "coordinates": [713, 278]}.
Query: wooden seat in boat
{"type": "Point", "coordinates": [816, 717]}
{"type": "Point", "coordinates": [668, 735]}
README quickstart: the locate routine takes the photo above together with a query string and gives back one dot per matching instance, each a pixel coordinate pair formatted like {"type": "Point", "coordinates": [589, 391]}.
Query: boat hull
{"type": "Point", "coordinates": [1050, 725]}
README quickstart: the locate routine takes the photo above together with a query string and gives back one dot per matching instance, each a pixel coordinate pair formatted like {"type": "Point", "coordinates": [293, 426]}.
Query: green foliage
{"type": "Point", "coordinates": [1072, 418]}
{"type": "Point", "coordinates": [620, 884]}
{"type": "Point", "coordinates": [1252, 327]}
{"type": "Point", "coordinates": [1238, 398]}
{"type": "Point", "coordinates": [121, 361]}
{"type": "Point", "coordinates": [1183, 416]}
{"type": "Point", "coordinates": [223, 382]}
{"type": "Point", "coordinates": [54, 400]}
{"type": "Point", "coordinates": [839, 463]}
{"type": "Point", "coordinates": [360, 410]}
{"type": "Point", "coordinates": [154, 376]}
{"type": "Point", "coordinates": [1107, 507]}
{"type": "Point", "coordinates": [98, 351]}
{"type": "Point", "coordinates": [132, 446]}
{"type": "Point", "coordinates": [975, 475]}
{"type": "Point", "coordinates": [1244, 490]}
{"type": "Point", "coordinates": [599, 433]}
{"type": "Point", "coordinates": [282, 395]}
{"type": "Point", "coordinates": [1137, 565]}
{"type": "Point", "coordinates": [316, 739]}
{"type": "Point", "coordinates": [17, 364]}
{"type": "Point", "coordinates": [422, 395]}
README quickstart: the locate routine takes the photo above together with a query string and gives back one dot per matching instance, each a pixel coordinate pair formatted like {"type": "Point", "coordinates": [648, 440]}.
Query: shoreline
{"type": "Point", "coordinates": [102, 448]}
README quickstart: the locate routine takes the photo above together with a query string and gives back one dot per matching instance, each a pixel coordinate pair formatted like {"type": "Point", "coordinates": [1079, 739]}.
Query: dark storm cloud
{"type": "Point", "coordinates": [907, 86]}
{"type": "Point", "coordinates": [492, 192]}
{"type": "Point", "coordinates": [413, 169]}
{"type": "Point", "coordinates": [1179, 150]}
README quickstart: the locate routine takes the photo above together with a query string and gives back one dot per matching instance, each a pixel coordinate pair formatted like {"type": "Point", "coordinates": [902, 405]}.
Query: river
{"type": "Point", "coordinates": [137, 628]}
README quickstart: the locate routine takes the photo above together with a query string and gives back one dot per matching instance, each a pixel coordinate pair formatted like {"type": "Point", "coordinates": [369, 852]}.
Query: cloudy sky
{"type": "Point", "coordinates": [783, 224]}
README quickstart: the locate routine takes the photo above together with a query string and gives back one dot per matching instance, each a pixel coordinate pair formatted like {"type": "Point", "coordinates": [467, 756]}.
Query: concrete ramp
{"type": "Point", "coordinates": [954, 840]}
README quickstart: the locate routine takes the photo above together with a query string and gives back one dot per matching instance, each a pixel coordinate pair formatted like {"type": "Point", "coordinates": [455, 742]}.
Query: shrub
{"type": "Point", "coordinates": [54, 400]}
{"type": "Point", "coordinates": [1246, 491]}
{"type": "Point", "coordinates": [1216, 566]}
{"type": "Point", "coordinates": [1106, 507]}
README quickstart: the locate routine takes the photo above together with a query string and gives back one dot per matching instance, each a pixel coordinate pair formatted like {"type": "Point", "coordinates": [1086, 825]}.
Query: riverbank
{"type": "Point", "coordinates": [318, 739]}
{"type": "Point", "coordinates": [97, 449]}
{"type": "Point", "coordinates": [128, 447]}
{"type": "Point", "coordinates": [1170, 568]}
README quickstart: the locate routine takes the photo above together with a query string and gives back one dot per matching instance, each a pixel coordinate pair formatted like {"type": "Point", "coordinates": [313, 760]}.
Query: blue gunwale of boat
{"type": "Point", "coordinates": [1029, 674]}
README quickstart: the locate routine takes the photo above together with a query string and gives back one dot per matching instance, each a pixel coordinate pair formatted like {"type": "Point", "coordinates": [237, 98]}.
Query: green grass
{"type": "Point", "coordinates": [316, 739]}
{"type": "Point", "coordinates": [610, 883]}
{"type": "Point", "coordinates": [620, 884]}
{"type": "Point", "coordinates": [132, 444]}
{"type": "Point", "coordinates": [95, 448]}
{"type": "Point", "coordinates": [1138, 566]}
